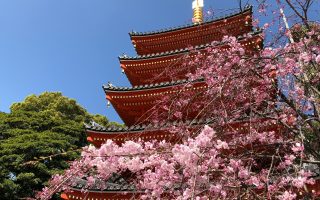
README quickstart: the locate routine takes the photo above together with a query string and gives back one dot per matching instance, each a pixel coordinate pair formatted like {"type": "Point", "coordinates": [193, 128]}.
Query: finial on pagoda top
{"type": "Point", "coordinates": [197, 6]}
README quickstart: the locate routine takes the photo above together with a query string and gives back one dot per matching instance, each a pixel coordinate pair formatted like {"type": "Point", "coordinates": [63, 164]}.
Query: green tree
{"type": "Point", "coordinates": [39, 137]}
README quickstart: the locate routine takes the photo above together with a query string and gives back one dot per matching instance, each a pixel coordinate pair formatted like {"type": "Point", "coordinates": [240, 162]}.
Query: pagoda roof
{"type": "Point", "coordinates": [114, 129]}
{"type": "Point", "coordinates": [115, 183]}
{"type": "Point", "coordinates": [183, 50]}
{"type": "Point", "coordinates": [236, 24]}
{"type": "Point", "coordinates": [114, 188]}
{"type": "Point", "coordinates": [107, 88]}
{"type": "Point", "coordinates": [85, 194]}
{"type": "Point", "coordinates": [176, 28]}
{"type": "Point", "coordinates": [133, 104]}
{"type": "Point", "coordinates": [98, 135]}
{"type": "Point", "coordinates": [154, 68]}
{"type": "Point", "coordinates": [167, 53]}
{"type": "Point", "coordinates": [142, 127]}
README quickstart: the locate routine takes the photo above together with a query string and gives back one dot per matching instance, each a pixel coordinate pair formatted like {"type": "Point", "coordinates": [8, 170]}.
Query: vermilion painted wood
{"type": "Point", "coordinates": [156, 69]}
{"type": "Point", "coordinates": [235, 25]}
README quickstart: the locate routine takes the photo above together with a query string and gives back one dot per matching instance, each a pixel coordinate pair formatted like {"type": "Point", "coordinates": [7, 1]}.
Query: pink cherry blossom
{"type": "Point", "coordinates": [318, 59]}
{"type": "Point", "coordinates": [252, 130]}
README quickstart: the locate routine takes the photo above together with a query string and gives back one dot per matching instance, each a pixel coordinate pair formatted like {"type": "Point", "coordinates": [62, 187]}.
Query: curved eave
{"type": "Point", "coordinates": [98, 138]}
{"type": "Point", "coordinates": [135, 104]}
{"type": "Point", "coordinates": [162, 131]}
{"type": "Point", "coordinates": [104, 130]}
{"type": "Point", "coordinates": [188, 26]}
{"type": "Point", "coordinates": [76, 194]}
{"type": "Point", "coordinates": [143, 127]}
{"type": "Point", "coordinates": [154, 127]}
{"type": "Point", "coordinates": [185, 50]}
{"type": "Point", "coordinates": [162, 54]}
{"type": "Point", "coordinates": [100, 135]}
{"type": "Point", "coordinates": [147, 87]}
{"type": "Point", "coordinates": [104, 191]}
{"type": "Point", "coordinates": [115, 184]}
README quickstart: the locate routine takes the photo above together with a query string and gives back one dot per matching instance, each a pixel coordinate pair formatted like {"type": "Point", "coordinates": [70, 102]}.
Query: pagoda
{"type": "Point", "coordinates": [158, 51]}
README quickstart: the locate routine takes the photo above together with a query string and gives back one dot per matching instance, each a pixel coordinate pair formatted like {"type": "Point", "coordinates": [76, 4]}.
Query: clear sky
{"type": "Point", "coordinates": [72, 46]}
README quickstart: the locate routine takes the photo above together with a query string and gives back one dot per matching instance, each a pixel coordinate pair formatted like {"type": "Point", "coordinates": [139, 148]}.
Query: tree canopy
{"type": "Point", "coordinates": [40, 137]}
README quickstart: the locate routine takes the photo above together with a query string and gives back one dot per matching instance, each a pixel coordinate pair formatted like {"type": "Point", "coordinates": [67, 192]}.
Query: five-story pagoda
{"type": "Point", "coordinates": [157, 53]}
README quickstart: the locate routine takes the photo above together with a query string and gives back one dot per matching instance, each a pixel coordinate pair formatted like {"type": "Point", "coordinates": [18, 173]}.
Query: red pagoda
{"type": "Point", "coordinates": [158, 51]}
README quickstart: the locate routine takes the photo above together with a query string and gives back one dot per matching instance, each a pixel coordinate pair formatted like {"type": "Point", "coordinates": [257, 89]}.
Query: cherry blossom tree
{"type": "Point", "coordinates": [260, 137]}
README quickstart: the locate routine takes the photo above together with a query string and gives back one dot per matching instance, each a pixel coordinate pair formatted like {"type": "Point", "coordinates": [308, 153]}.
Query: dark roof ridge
{"type": "Point", "coordinates": [162, 125]}
{"type": "Point", "coordinates": [246, 8]}
{"type": "Point", "coordinates": [119, 185]}
{"type": "Point", "coordinates": [110, 87]}
{"type": "Point", "coordinates": [177, 51]}
{"type": "Point", "coordinates": [141, 127]}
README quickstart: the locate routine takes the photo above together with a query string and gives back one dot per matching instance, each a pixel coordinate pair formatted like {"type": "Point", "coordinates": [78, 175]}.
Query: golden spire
{"type": "Point", "coordinates": [197, 6]}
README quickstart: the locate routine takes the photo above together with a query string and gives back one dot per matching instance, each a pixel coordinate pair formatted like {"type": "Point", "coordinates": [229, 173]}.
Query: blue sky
{"type": "Point", "coordinates": [72, 46]}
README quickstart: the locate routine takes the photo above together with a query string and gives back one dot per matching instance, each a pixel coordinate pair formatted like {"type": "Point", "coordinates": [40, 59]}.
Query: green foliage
{"type": "Point", "coordinates": [9, 189]}
{"type": "Point", "coordinates": [100, 119]}
{"type": "Point", "coordinates": [39, 138]}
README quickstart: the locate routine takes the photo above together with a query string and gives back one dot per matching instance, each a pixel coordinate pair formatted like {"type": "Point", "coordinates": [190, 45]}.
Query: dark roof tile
{"type": "Point", "coordinates": [178, 51]}
{"type": "Point", "coordinates": [146, 86]}
{"type": "Point", "coordinates": [115, 183]}
{"type": "Point", "coordinates": [141, 127]}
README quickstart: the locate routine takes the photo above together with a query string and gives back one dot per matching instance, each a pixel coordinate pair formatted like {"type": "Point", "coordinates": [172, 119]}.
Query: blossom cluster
{"type": "Point", "coordinates": [259, 102]}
